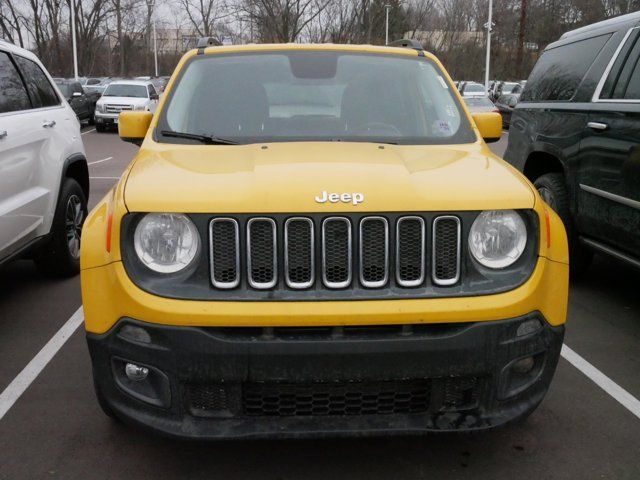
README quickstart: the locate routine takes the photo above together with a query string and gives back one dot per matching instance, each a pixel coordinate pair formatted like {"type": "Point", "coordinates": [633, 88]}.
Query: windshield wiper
{"type": "Point", "coordinates": [208, 139]}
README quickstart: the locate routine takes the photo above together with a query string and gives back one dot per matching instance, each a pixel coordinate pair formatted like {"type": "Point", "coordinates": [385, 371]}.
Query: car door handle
{"type": "Point", "coordinates": [597, 126]}
{"type": "Point", "coordinates": [3, 134]}
{"type": "Point", "coordinates": [49, 123]}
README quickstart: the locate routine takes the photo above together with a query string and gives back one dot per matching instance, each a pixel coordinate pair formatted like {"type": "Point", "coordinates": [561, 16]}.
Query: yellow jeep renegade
{"type": "Point", "coordinates": [316, 240]}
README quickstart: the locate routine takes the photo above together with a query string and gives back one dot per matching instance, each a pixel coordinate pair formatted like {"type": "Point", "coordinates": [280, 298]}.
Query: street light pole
{"type": "Point", "coordinates": [489, 26]}
{"type": "Point", "coordinates": [155, 46]}
{"type": "Point", "coordinates": [386, 35]}
{"type": "Point", "coordinates": [73, 40]}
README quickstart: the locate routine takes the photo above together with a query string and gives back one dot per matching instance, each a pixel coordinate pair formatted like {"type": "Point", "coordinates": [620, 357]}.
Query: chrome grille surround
{"type": "Point", "coordinates": [212, 254]}
{"type": "Point", "coordinates": [312, 252]}
{"type": "Point", "coordinates": [117, 108]}
{"type": "Point", "coordinates": [437, 244]}
{"type": "Point", "coordinates": [383, 281]}
{"type": "Point", "coordinates": [260, 284]}
{"type": "Point", "coordinates": [403, 282]}
{"type": "Point", "coordinates": [326, 269]}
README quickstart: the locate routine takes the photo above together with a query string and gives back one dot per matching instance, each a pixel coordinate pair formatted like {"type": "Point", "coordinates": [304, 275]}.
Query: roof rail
{"type": "Point", "coordinates": [610, 22]}
{"type": "Point", "coordinates": [204, 42]}
{"type": "Point", "coordinates": [407, 43]}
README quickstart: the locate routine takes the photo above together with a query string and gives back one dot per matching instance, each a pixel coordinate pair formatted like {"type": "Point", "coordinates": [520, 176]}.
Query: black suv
{"type": "Point", "coordinates": [576, 133]}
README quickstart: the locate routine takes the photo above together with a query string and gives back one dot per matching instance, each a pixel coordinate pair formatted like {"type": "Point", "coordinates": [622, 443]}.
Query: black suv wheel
{"type": "Point", "coordinates": [61, 256]}
{"type": "Point", "coordinates": [553, 190]}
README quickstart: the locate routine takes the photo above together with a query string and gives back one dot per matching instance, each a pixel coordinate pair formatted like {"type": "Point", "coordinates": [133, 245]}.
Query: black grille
{"type": "Point", "coordinates": [337, 252]}
{"type": "Point", "coordinates": [410, 251]}
{"type": "Point", "coordinates": [224, 253]}
{"type": "Point", "coordinates": [299, 253]}
{"type": "Point", "coordinates": [446, 243]}
{"type": "Point", "coordinates": [461, 393]}
{"type": "Point", "coordinates": [207, 398]}
{"type": "Point", "coordinates": [321, 399]}
{"type": "Point", "coordinates": [262, 253]}
{"type": "Point", "coordinates": [374, 244]}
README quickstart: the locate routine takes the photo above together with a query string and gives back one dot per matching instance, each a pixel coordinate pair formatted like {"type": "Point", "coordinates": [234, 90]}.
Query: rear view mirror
{"type": "Point", "coordinates": [133, 126]}
{"type": "Point", "coordinates": [489, 124]}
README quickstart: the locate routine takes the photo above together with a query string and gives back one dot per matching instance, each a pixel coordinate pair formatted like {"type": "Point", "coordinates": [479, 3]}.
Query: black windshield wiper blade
{"type": "Point", "coordinates": [208, 139]}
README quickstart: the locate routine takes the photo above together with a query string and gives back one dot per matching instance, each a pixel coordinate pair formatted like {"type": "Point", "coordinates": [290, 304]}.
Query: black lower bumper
{"type": "Point", "coordinates": [208, 383]}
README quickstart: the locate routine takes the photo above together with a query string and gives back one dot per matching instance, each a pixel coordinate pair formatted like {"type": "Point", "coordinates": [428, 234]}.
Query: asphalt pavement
{"type": "Point", "coordinates": [55, 430]}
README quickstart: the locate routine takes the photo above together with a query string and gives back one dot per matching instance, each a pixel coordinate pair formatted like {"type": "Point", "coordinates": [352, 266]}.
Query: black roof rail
{"type": "Point", "coordinates": [407, 43]}
{"type": "Point", "coordinates": [204, 42]}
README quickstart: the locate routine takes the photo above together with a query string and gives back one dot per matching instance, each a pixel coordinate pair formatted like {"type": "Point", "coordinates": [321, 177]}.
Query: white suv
{"type": "Point", "coordinates": [124, 95]}
{"type": "Point", "coordinates": [44, 179]}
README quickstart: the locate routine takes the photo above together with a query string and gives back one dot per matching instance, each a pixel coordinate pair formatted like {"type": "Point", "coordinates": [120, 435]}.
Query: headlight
{"type": "Point", "coordinates": [166, 242]}
{"type": "Point", "coordinates": [139, 107]}
{"type": "Point", "coordinates": [497, 238]}
{"type": "Point", "coordinates": [100, 107]}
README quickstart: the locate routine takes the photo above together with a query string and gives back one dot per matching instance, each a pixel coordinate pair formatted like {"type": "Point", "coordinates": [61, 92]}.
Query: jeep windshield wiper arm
{"type": "Point", "coordinates": [208, 139]}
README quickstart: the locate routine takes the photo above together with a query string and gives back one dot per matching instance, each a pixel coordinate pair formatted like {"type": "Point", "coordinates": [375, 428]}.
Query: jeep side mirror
{"type": "Point", "coordinates": [489, 125]}
{"type": "Point", "coordinates": [133, 126]}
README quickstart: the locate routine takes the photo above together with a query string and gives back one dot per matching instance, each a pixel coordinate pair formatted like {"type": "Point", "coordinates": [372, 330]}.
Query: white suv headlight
{"type": "Point", "coordinates": [140, 107]}
{"type": "Point", "coordinates": [497, 238]}
{"type": "Point", "coordinates": [166, 242]}
{"type": "Point", "coordinates": [100, 107]}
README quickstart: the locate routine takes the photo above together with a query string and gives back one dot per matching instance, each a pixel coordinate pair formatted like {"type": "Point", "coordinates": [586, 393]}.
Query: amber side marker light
{"type": "Point", "coordinates": [548, 223]}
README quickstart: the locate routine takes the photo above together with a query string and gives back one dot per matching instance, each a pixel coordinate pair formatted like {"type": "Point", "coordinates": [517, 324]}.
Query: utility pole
{"type": "Point", "coordinates": [489, 27]}
{"type": "Point", "coordinates": [155, 46]}
{"type": "Point", "coordinates": [387, 7]}
{"type": "Point", "coordinates": [73, 40]}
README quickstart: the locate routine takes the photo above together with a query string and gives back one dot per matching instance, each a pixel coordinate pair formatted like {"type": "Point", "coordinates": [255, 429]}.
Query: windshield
{"type": "Point", "coordinates": [65, 89]}
{"type": "Point", "coordinates": [507, 87]}
{"type": "Point", "coordinates": [474, 88]}
{"type": "Point", "coordinates": [478, 102]}
{"type": "Point", "coordinates": [122, 90]}
{"type": "Point", "coordinates": [314, 95]}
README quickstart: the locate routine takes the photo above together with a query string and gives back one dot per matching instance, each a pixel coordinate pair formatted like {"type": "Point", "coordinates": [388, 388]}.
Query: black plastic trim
{"type": "Point", "coordinates": [194, 282]}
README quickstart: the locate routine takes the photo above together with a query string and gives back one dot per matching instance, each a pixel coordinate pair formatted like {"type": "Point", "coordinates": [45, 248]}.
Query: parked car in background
{"type": "Point", "coordinates": [44, 180]}
{"type": "Point", "coordinates": [505, 88]}
{"type": "Point", "coordinates": [99, 87]}
{"type": "Point", "coordinates": [472, 89]}
{"type": "Point", "coordinates": [124, 95]}
{"type": "Point", "coordinates": [506, 104]}
{"type": "Point", "coordinates": [480, 104]}
{"type": "Point", "coordinates": [576, 135]}
{"type": "Point", "coordinates": [82, 102]}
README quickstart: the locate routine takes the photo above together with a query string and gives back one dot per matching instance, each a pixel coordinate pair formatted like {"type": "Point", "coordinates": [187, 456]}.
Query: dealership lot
{"type": "Point", "coordinates": [56, 430]}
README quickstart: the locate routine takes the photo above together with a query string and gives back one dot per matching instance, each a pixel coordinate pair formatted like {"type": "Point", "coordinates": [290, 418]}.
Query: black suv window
{"type": "Point", "coordinates": [40, 90]}
{"type": "Point", "coordinates": [624, 80]}
{"type": "Point", "coordinates": [13, 95]}
{"type": "Point", "coordinates": [560, 71]}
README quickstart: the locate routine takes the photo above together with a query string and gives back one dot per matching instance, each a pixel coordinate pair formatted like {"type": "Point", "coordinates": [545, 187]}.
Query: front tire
{"type": "Point", "coordinates": [553, 190]}
{"type": "Point", "coordinates": [61, 256]}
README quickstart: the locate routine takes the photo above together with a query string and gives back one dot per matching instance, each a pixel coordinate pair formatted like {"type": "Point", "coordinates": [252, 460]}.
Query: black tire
{"type": "Point", "coordinates": [91, 119]}
{"type": "Point", "coordinates": [553, 189]}
{"type": "Point", "coordinates": [61, 256]}
{"type": "Point", "coordinates": [100, 128]}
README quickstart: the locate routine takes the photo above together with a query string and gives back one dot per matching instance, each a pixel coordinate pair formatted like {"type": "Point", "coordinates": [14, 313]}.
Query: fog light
{"type": "Point", "coordinates": [524, 365]}
{"type": "Point", "coordinates": [137, 334]}
{"type": "Point", "coordinates": [135, 373]}
{"type": "Point", "coordinates": [527, 327]}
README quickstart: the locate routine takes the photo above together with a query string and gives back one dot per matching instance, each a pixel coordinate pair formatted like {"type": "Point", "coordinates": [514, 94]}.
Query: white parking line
{"type": "Point", "coordinates": [623, 397]}
{"type": "Point", "coordinates": [19, 384]}
{"type": "Point", "coordinates": [88, 131]}
{"type": "Point", "coordinates": [100, 161]}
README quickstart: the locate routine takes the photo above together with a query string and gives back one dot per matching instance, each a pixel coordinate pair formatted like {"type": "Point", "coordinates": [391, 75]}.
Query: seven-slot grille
{"type": "Point", "coordinates": [335, 252]}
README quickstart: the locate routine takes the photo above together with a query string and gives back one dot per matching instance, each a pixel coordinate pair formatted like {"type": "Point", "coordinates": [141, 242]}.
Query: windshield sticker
{"type": "Point", "coordinates": [444, 127]}
{"type": "Point", "coordinates": [443, 83]}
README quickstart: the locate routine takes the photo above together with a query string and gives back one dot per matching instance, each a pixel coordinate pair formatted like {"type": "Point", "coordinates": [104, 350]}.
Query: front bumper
{"type": "Point", "coordinates": [238, 382]}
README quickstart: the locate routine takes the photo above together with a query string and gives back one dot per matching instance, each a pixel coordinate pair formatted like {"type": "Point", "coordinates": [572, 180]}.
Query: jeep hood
{"type": "Point", "coordinates": [287, 177]}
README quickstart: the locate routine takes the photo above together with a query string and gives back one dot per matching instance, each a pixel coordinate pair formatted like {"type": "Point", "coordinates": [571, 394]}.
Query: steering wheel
{"type": "Point", "coordinates": [378, 127]}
